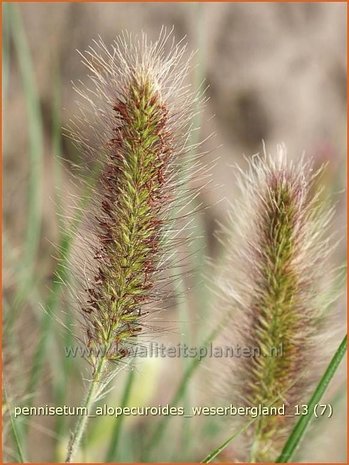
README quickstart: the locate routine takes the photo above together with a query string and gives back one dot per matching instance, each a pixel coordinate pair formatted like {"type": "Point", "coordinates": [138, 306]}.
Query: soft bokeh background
{"type": "Point", "coordinates": [275, 72]}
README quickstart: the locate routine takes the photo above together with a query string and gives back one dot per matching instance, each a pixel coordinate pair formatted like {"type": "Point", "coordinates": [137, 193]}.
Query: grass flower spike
{"type": "Point", "coordinates": [273, 292]}
{"type": "Point", "coordinates": [136, 120]}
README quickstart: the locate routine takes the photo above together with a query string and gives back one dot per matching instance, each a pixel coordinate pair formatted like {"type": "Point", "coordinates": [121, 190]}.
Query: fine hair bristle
{"type": "Point", "coordinates": [271, 290]}
{"type": "Point", "coordinates": [135, 121]}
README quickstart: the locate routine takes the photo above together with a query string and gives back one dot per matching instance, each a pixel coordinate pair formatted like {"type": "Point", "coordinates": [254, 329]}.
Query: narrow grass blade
{"type": "Point", "coordinates": [15, 432]}
{"type": "Point", "coordinates": [66, 241]}
{"type": "Point", "coordinates": [163, 423]}
{"type": "Point", "coordinates": [303, 422]}
{"type": "Point", "coordinates": [63, 366]}
{"type": "Point", "coordinates": [52, 302]}
{"type": "Point", "coordinates": [62, 374]}
{"type": "Point", "coordinates": [212, 455]}
{"type": "Point", "coordinates": [36, 154]}
{"type": "Point", "coordinates": [56, 144]}
{"type": "Point", "coordinates": [184, 313]}
{"type": "Point", "coordinates": [46, 321]}
{"type": "Point", "coordinates": [116, 433]}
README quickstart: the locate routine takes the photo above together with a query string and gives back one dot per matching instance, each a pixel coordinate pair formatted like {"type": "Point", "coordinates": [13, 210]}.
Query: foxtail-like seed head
{"type": "Point", "coordinates": [136, 120]}
{"type": "Point", "coordinates": [272, 291]}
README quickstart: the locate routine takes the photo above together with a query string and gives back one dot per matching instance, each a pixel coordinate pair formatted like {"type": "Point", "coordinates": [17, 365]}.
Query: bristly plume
{"type": "Point", "coordinates": [135, 120]}
{"type": "Point", "coordinates": [272, 290]}
{"type": "Point", "coordinates": [141, 113]}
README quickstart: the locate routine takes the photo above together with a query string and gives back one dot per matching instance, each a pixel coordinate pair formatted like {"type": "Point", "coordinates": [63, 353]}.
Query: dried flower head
{"type": "Point", "coordinates": [135, 119]}
{"type": "Point", "coordinates": [272, 290]}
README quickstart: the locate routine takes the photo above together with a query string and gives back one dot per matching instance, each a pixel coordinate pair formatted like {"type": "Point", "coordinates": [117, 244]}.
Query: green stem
{"type": "Point", "coordinates": [300, 427]}
{"type": "Point", "coordinates": [88, 404]}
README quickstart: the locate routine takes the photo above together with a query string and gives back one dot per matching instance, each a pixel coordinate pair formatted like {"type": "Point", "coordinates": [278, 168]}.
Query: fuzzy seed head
{"type": "Point", "coordinates": [135, 119]}
{"type": "Point", "coordinates": [272, 292]}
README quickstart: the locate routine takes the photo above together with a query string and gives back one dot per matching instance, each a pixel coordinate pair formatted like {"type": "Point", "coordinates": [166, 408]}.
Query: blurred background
{"type": "Point", "coordinates": [274, 72]}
